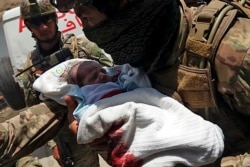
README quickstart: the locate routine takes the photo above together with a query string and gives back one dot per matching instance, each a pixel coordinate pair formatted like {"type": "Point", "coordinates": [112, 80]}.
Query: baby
{"type": "Point", "coordinates": [99, 82]}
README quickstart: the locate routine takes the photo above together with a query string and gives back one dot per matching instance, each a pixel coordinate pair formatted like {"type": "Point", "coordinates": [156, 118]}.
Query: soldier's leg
{"type": "Point", "coordinates": [24, 133]}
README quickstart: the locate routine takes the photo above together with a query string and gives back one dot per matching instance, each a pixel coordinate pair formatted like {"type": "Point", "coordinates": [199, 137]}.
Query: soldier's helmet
{"type": "Point", "coordinates": [35, 8]}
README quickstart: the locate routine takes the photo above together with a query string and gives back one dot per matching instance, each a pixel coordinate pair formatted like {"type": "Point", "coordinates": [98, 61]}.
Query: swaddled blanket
{"type": "Point", "coordinates": [149, 129]}
{"type": "Point", "coordinates": [145, 127]}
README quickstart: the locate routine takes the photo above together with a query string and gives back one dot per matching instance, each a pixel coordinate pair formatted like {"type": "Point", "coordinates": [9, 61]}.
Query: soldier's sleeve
{"type": "Point", "coordinates": [31, 129]}
{"type": "Point", "coordinates": [91, 50]}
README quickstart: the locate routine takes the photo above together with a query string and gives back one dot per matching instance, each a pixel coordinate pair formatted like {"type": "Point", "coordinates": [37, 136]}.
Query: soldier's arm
{"type": "Point", "coordinates": [31, 129]}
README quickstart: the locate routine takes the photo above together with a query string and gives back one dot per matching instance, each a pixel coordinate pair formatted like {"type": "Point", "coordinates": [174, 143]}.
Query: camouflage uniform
{"type": "Point", "coordinates": [37, 124]}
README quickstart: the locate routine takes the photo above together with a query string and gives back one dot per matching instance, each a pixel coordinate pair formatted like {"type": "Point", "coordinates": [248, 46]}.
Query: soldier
{"type": "Point", "coordinates": [19, 134]}
{"type": "Point", "coordinates": [200, 53]}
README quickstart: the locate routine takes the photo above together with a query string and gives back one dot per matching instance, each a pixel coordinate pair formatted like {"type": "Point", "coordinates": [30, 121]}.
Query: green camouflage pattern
{"type": "Point", "coordinates": [232, 64]}
{"type": "Point", "coordinates": [34, 8]}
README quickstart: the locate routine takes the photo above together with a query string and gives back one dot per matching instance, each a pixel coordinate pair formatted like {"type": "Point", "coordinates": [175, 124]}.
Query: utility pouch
{"type": "Point", "coordinates": [194, 86]}
{"type": "Point", "coordinates": [59, 56]}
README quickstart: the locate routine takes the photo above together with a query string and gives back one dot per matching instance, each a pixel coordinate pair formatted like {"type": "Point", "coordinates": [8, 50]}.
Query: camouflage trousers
{"type": "Point", "coordinates": [34, 127]}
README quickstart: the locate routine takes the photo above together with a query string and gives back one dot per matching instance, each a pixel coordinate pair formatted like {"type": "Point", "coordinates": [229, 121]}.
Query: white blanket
{"type": "Point", "coordinates": [53, 83]}
{"type": "Point", "coordinates": [149, 129]}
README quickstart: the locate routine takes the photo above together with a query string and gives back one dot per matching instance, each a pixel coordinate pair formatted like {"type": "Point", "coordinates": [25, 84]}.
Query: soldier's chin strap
{"type": "Point", "coordinates": [52, 60]}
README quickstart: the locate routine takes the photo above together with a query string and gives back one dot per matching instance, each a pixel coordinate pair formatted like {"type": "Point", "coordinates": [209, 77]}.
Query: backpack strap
{"type": "Point", "coordinates": [209, 26]}
{"type": "Point", "coordinates": [210, 23]}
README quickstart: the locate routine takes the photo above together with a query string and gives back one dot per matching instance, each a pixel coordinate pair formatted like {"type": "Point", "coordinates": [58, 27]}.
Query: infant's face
{"type": "Point", "coordinates": [92, 73]}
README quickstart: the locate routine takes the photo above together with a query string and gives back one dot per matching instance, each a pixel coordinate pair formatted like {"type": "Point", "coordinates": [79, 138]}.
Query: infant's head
{"type": "Point", "coordinates": [87, 73]}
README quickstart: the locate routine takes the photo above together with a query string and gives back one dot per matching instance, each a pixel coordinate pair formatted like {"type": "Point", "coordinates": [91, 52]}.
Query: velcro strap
{"type": "Point", "coordinates": [198, 48]}
{"type": "Point", "coordinates": [195, 87]}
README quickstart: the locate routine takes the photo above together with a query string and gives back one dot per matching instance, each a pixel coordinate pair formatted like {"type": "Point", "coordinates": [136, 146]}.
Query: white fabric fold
{"type": "Point", "coordinates": [152, 130]}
